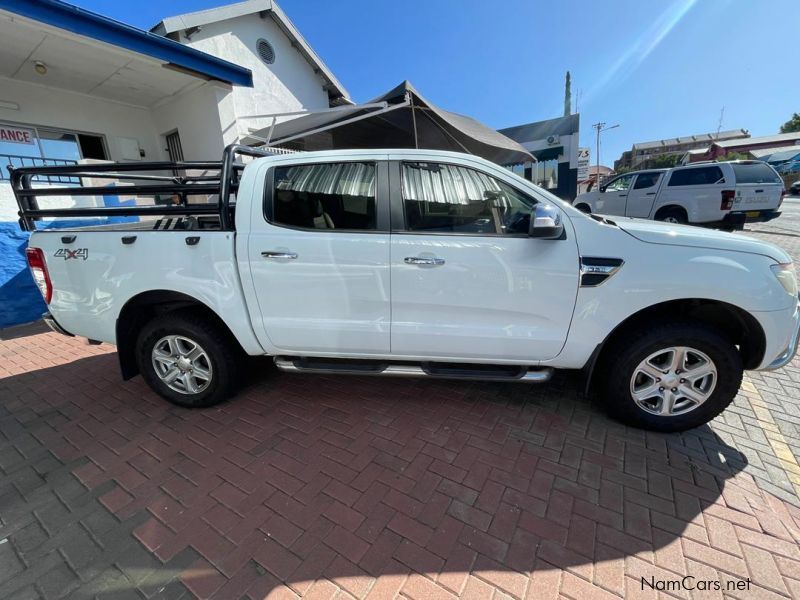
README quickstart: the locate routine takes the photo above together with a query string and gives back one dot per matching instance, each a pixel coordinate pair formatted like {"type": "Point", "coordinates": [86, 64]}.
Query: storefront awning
{"type": "Point", "coordinates": [400, 118]}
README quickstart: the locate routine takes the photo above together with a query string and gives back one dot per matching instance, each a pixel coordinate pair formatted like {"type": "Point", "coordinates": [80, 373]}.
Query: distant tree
{"type": "Point", "coordinates": [663, 161]}
{"type": "Point", "coordinates": [734, 156]}
{"type": "Point", "coordinates": [792, 124]}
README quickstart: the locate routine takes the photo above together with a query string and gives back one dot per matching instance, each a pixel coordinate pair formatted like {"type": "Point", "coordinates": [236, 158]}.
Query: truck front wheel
{"type": "Point", "coordinates": [671, 376]}
{"type": "Point", "coordinates": [187, 360]}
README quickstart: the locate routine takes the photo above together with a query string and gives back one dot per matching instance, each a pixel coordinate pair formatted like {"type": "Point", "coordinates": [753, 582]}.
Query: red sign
{"type": "Point", "coordinates": [17, 135]}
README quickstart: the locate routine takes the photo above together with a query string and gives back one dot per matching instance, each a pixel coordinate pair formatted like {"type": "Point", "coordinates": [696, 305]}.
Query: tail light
{"type": "Point", "coordinates": [783, 195]}
{"type": "Point", "coordinates": [727, 199]}
{"type": "Point", "coordinates": [39, 272]}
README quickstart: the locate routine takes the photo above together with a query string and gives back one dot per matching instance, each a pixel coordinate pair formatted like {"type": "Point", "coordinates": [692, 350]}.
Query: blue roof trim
{"type": "Point", "coordinates": [100, 28]}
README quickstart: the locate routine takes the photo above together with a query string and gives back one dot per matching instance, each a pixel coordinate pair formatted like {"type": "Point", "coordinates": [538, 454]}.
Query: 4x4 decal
{"type": "Point", "coordinates": [67, 254]}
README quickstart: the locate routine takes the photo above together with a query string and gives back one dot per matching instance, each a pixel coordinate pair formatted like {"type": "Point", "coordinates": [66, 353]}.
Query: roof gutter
{"type": "Point", "coordinates": [97, 27]}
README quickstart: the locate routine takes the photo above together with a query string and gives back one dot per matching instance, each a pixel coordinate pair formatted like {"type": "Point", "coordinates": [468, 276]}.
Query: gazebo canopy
{"type": "Point", "coordinates": [400, 118]}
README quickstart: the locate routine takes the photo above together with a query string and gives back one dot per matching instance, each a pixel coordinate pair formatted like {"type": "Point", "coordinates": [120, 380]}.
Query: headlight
{"type": "Point", "coordinates": [785, 274]}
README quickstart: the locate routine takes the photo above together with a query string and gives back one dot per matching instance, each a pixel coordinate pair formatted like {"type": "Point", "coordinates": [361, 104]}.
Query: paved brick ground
{"type": "Point", "coordinates": [326, 486]}
{"type": "Point", "coordinates": [329, 487]}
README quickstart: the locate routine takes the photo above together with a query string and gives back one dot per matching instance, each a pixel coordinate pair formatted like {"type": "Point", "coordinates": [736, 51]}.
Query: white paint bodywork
{"type": "Point", "coordinates": [497, 299]}
{"type": "Point", "coordinates": [702, 203]}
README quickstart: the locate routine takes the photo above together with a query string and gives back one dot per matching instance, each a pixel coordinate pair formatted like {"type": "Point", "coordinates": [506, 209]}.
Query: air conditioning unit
{"type": "Point", "coordinates": [552, 140]}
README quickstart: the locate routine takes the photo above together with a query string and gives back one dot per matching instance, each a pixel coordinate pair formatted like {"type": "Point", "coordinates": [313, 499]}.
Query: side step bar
{"type": "Point", "coordinates": [406, 369]}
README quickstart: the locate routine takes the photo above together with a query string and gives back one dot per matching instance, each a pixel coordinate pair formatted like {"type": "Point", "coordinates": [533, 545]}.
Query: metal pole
{"type": "Point", "coordinates": [414, 120]}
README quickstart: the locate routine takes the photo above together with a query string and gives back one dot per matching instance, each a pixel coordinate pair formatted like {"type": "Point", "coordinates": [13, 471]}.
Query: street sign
{"type": "Point", "coordinates": [583, 164]}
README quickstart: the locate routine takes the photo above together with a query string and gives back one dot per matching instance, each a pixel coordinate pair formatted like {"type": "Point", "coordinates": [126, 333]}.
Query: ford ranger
{"type": "Point", "coordinates": [400, 262]}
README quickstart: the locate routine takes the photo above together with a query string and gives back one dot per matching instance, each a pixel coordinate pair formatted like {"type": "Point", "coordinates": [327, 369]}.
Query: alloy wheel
{"type": "Point", "coordinates": [182, 364]}
{"type": "Point", "coordinates": [673, 381]}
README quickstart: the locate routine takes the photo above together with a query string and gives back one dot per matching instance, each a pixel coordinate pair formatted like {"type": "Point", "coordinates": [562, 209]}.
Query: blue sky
{"type": "Point", "coordinates": [659, 69]}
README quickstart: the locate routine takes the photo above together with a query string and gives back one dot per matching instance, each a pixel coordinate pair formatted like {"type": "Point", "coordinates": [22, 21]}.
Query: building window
{"type": "Point", "coordinates": [27, 146]}
{"type": "Point", "coordinates": [265, 51]}
{"type": "Point", "coordinates": [545, 174]}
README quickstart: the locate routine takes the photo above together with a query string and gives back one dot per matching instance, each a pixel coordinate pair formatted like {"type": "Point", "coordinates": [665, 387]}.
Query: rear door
{"type": "Point", "coordinates": [642, 194]}
{"type": "Point", "coordinates": [758, 187]}
{"type": "Point", "coordinates": [468, 283]}
{"type": "Point", "coordinates": [318, 255]}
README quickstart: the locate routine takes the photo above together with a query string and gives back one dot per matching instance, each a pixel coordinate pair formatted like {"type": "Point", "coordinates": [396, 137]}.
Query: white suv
{"type": "Point", "coordinates": [725, 194]}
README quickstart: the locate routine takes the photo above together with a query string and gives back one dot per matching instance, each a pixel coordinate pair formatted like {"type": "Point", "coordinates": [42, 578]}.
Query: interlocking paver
{"type": "Point", "coordinates": [318, 486]}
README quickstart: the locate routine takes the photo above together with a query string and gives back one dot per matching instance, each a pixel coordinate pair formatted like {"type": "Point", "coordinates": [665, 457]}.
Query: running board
{"type": "Point", "coordinates": [407, 369]}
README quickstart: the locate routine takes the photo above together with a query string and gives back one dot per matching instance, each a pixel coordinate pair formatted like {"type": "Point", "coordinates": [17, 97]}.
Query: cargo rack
{"type": "Point", "coordinates": [224, 183]}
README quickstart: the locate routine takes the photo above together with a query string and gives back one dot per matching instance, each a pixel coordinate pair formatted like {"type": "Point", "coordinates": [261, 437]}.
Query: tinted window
{"type": "Point", "coordinates": [754, 173]}
{"type": "Point", "coordinates": [620, 184]}
{"type": "Point", "coordinates": [326, 196]}
{"type": "Point", "coordinates": [696, 176]}
{"type": "Point", "coordinates": [450, 198]}
{"type": "Point", "coordinates": [646, 180]}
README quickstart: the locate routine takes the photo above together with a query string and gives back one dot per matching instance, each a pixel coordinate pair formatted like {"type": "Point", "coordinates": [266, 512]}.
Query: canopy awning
{"type": "Point", "coordinates": [400, 118]}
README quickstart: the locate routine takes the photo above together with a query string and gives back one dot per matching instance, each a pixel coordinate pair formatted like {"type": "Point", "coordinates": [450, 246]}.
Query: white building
{"type": "Point", "coordinates": [76, 85]}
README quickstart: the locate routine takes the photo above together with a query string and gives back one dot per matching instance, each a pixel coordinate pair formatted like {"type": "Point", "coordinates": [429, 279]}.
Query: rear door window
{"type": "Point", "coordinates": [755, 173]}
{"type": "Point", "coordinates": [646, 180]}
{"type": "Point", "coordinates": [329, 196]}
{"type": "Point", "coordinates": [696, 176]}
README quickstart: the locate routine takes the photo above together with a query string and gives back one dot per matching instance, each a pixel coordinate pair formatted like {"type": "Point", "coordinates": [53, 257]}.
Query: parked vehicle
{"type": "Point", "coordinates": [407, 263]}
{"type": "Point", "coordinates": [794, 189]}
{"type": "Point", "coordinates": [725, 194]}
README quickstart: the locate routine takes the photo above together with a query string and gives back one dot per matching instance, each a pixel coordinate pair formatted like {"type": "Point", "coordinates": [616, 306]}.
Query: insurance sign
{"type": "Point", "coordinates": [17, 135]}
{"type": "Point", "coordinates": [583, 164]}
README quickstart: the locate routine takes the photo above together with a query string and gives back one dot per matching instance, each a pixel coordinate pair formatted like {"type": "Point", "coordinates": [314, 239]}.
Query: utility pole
{"type": "Point", "coordinates": [568, 95]}
{"type": "Point", "coordinates": [719, 124]}
{"type": "Point", "coordinates": [600, 127]}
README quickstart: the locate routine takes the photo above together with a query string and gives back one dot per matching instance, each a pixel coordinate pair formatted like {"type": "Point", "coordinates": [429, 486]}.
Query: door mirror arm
{"type": "Point", "coordinates": [546, 223]}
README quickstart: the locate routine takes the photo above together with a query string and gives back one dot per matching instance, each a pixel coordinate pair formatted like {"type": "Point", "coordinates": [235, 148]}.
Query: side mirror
{"type": "Point", "coordinates": [546, 223]}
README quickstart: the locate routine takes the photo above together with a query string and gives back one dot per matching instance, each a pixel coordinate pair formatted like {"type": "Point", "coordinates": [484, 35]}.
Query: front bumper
{"type": "Point", "coordinates": [51, 322]}
{"type": "Point", "coordinates": [787, 355]}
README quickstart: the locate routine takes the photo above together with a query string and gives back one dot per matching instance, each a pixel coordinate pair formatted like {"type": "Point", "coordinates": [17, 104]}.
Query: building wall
{"type": "Point", "coordinates": [204, 118]}
{"type": "Point", "coordinates": [289, 84]}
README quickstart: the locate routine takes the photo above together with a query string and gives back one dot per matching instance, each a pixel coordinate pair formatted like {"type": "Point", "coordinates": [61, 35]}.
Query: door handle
{"type": "Point", "coordinates": [650, 194]}
{"type": "Point", "coordinates": [423, 260]}
{"type": "Point", "coordinates": [268, 254]}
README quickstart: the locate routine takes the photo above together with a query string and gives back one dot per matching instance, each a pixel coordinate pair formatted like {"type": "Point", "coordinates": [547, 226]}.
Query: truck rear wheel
{"type": "Point", "coordinates": [671, 376]}
{"type": "Point", "coordinates": [187, 360]}
{"type": "Point", "coordinates": [672, 214]}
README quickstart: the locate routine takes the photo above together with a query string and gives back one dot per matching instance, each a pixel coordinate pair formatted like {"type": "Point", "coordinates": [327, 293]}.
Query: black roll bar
{"type": "Point", "coordinates": [224, 183]}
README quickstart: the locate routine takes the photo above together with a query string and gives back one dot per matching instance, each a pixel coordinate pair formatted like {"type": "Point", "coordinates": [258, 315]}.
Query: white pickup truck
{"type": "Point", "coordinates": [407, 263]}
{"type": "Point", "coordinates": [725, 194]}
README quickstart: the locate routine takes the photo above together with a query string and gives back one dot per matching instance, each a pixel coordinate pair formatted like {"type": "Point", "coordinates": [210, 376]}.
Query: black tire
{"type": "Point", "coordinates": [672, 214]}
{"type": "Point", "coordinates": [621, 359]}
{"type": "Point", "coordinates": [220, 354]}
{"type": "Point", "coordinates": [584, 208]}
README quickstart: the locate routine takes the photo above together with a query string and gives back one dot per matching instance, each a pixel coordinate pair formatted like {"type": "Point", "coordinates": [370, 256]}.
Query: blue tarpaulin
{"type": "Point", "coordinates": [20, 300]}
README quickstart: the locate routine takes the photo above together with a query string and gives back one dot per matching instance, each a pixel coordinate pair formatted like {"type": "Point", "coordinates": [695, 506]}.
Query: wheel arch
{"type": "Point", "coordinates": [144, 307]}
{"type": "Point", "coordinates": [737, 324]}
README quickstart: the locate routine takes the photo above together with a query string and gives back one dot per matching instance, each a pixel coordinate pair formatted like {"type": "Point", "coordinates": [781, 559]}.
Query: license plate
{"type": "Point", "coordinates": [753, 213]}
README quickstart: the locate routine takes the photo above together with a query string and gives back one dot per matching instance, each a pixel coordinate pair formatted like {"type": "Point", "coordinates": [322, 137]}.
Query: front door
{"type": "Point", "coordinates": [319, 258]}
{"type": "Point", "coordinates": [613, 196]}
{"type": "Point", "coordinates": [468, 283]}
{"type": "Point", "coordinates": [642, 194]}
